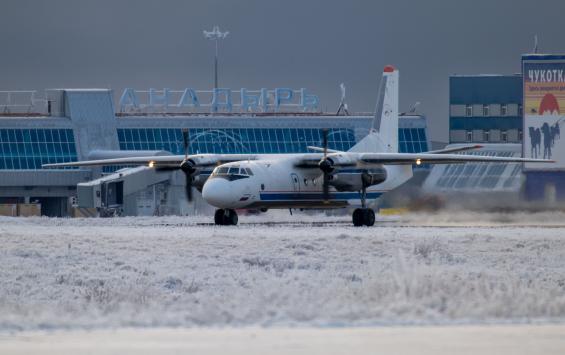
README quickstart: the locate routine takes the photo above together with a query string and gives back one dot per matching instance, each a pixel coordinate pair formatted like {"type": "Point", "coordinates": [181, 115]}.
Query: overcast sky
{"type": "Point", "coordinates": [292, 43]}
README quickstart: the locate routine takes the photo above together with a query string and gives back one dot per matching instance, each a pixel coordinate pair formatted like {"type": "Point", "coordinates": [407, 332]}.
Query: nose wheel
{"type": "Point", "coordinates": [225, 217]}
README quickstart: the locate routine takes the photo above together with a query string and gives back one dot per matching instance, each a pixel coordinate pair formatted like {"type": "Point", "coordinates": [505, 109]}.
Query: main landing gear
{"type": "Point", "coordinates": [225, 217]}
{"type": "Point", "coordinates": [363, 216]}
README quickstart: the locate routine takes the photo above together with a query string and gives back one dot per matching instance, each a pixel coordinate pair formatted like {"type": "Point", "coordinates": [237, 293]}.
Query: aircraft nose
{"type": "Point", "coordinates": [218, 192]}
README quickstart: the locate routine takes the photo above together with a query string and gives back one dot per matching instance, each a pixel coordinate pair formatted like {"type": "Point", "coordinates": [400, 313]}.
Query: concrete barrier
{"type": "Point", "coordinates": [29, 209]}
{"type": "Point", "coordinates": [9, 209]}
{"type": "Point", "coordinates": [20, 209]}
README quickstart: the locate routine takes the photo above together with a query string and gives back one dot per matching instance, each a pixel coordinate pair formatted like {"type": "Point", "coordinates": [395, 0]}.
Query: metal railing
{"type": "Point", "coordinates": [26, 102]}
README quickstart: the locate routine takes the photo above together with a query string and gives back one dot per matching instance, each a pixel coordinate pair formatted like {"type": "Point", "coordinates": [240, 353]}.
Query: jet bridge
{"type": "Point", "coordinates": [139, 191]}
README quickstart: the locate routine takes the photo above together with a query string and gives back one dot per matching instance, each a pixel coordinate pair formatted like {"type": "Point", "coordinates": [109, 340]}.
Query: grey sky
{"type": "Point", "coordinates": [292, 43]}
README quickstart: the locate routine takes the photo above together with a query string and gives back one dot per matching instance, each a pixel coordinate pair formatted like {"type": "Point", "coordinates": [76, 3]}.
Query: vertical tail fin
{"type": "Point", "coordinates": [387, 122]}
{"type": "Point", "coordinates": [383, 136]}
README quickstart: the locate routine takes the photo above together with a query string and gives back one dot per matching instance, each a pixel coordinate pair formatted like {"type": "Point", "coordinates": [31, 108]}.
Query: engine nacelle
{"type": "Point", "coordinates": [339, 159]}
{"type": "Point", "coordinates": [348, 181]}
{"type": "Point", "coordinates": [202, 160]}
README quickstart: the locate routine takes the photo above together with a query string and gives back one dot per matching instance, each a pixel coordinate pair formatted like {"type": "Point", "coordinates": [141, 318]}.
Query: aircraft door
{"type": "Point", "coordinates": [295, 182]}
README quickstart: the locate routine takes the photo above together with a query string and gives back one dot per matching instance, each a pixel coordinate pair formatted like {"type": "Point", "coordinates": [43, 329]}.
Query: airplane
{"type": "Point", "coordinates": [323, 179]}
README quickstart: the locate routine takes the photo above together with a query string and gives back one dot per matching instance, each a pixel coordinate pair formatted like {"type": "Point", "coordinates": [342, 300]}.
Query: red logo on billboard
{"type": "Point", "coordinates": [549, 104]}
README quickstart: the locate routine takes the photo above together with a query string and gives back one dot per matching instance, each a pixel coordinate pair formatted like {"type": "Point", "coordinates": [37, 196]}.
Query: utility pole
{"type": "Point", "coordinates": [215, 35]}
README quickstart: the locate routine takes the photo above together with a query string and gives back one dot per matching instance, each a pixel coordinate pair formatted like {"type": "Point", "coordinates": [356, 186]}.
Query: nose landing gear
{"type": "Point", "coordinates": [225, 217]}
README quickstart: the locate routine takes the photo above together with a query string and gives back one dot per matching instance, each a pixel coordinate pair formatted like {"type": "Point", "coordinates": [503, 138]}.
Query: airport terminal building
{"type": "Point", "coordinates": [68, 125]}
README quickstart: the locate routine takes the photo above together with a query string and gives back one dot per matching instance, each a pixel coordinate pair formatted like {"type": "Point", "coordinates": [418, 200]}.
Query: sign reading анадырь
{"type": "Point", "coordinates": [220, 100]}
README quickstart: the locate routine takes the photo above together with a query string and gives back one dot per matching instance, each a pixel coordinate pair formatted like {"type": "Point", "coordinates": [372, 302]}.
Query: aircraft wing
{"type": "Point", "coordinates": [167, 161]}
{"type": "Point", "coordinates": [427, 158]}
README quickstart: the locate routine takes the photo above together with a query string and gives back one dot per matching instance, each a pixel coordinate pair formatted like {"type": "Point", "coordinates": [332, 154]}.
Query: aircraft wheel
{"type": "Point", "coordinates": [230, 218]}
{"type": "Point", "coordinates": [219, 217]}
{"type": "Point", "coordinates": [368, 217]}
{"type": "Point", "coordinates": [358, 217]}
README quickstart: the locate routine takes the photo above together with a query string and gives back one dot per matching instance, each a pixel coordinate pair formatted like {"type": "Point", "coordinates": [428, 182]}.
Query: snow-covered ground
{"type": "Point", "coordinates": [455, 268]}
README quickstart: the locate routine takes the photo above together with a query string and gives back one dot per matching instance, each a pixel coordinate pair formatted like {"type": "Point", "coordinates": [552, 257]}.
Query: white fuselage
{"type": "Point", "coordinates": [275, 182]}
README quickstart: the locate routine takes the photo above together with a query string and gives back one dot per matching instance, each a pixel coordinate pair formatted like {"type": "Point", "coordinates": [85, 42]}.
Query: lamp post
{"type": "Point", "coordinates": [215, 35]}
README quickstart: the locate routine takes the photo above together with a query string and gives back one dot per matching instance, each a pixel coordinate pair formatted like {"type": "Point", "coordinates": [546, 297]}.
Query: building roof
{"type": "Point", "coordinates": [485, 89]}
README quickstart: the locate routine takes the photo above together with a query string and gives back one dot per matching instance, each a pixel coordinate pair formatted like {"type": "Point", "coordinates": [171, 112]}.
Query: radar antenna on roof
{"type": "Point", "coordinates": [342, 102]}
{"type": "Point", "coordinates": [535, 51]}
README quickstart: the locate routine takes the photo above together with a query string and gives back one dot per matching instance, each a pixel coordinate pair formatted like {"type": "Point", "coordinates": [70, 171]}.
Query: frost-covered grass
{"type": "Point", "coordinates": [173, 271]}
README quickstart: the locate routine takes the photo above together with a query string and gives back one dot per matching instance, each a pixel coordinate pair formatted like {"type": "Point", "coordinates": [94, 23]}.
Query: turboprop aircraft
{"type": "Point", "coordinates": [323, 179]}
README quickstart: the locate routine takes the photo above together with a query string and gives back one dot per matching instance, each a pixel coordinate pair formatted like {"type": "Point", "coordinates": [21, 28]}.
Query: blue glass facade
{"type": "Point", "coordinates": [233, 140]}
{"type": "Point", "coordinates": [412, 140]}
{"type": "Point", "coordinates": [254, 140]}
{"type": "Point", "coordinates": [29, 148]}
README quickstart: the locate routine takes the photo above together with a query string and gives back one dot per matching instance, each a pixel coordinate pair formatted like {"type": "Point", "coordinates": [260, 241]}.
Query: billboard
{"type": "Point", "coordinates": [544, 110]}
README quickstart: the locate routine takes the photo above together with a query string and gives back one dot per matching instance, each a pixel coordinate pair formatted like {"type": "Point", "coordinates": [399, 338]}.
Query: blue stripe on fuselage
{"type": "Point", "coordinates": [314, 196]}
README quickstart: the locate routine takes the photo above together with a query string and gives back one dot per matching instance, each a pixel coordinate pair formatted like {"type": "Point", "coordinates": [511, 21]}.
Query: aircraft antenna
{"type": "Point", "coordinates": [342, 102]}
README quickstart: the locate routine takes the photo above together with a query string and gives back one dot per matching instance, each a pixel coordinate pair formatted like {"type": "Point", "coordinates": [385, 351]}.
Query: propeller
{"type": "Point", "coordinates": [187, 166]}
{"type": "Point", "coordinates": [326, 166]}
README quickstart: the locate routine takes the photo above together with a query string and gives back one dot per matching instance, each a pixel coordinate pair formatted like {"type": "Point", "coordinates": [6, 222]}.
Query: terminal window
{"type": "Point", "coordinates": [30, 148]}
{"type": "Point", "coordinates": [412, 140]}
{"type": "Point", "coordinates": [485, 110]}
{"type": "Point", "coordinates": [468, 110]}
{"type": "Point", "coordinates": [469, 136]}
{"type": "Point", "coordinates": [486, 135]}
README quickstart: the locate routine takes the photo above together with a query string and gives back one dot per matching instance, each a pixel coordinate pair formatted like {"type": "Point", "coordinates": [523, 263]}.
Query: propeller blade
{"type": "Point", "coordinates": [326, 181]}
{"type": "Point", "coordinates": [325, 142]}
{"type": "Point", "coordinates": [326, 187]}
{"type": "Point", "coordinates": [188, 187]}
{"type": "Point", "coordinates": [186, 168]}
{"type": "Point", "coordinates": [185, 142]}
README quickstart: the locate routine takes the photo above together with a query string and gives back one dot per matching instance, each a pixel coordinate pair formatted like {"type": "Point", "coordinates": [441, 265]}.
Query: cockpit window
{"type": "Point", "coordinates": [232, 172]}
